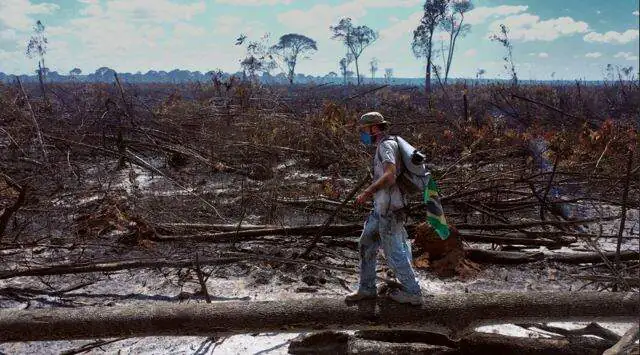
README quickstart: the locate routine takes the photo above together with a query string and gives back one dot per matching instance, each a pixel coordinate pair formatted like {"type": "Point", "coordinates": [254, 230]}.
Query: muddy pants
{"type": "Point", "coordinates": [387, 231]}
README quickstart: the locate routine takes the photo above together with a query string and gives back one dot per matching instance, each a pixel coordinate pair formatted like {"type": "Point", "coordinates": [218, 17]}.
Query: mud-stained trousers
{"type": "Point", "coordinates": [387, 231]}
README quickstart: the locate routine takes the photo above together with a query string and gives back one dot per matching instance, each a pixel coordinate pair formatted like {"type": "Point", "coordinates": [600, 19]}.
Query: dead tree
{"type": "Point", "coordinates": [451, 314]}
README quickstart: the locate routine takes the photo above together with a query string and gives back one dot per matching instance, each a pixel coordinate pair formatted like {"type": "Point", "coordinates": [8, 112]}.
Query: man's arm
{"type": "Point", "coordinates": [387, 179]}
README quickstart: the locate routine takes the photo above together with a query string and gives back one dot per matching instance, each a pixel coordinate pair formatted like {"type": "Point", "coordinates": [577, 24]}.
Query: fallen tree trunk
{"type": "Point", "coordinates": [485, 343]}
{"type": "Point", "coordinates": [515, 257]}
{"type": "Point", "coordinates": [502, 257]}
{"type": "Point", "coordinates": [585, 258]}
{"type": "Point", "coordinates": [451, 314]}
{"type": "Point", "coordinates": [254, 232]}
{"type": "Point", "coordinates": [529, 224]}
{"type": "Point", "coordinates": [476, 255]}
{"type": "Point", "coordinates": [116, 265]}
{"type": "Point", "coordinates": [241, 235]}
{"type": "Point", "coordinates": [495, 239]}
{"type": "Point", "coordinates": [174, 228]}
{"type": "Point", "coordinates": [420, 342]}
{"type": "Point", "coordinates": [80, 268]}
{"type": "Point", "coordinates": [338, 343]}
{"type": "Point", "coordinates": [251, 231]}
{"type": "Point", "coordinates": [631, 281]}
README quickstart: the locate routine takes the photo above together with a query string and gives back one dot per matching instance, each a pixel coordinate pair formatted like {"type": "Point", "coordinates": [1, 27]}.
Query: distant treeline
{"type": "Point", "coordinates": [106, 75]}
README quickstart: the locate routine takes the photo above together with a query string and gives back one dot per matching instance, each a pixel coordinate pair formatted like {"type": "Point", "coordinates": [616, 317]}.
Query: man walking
{"type": "Point", "coordinates": [385, 224]}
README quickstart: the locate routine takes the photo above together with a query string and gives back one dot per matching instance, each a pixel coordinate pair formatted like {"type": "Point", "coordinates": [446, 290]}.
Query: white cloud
{"type": "Point", "coordinates": [314, 22]}
{"type": "Point", "coordinates": [626, 56]}
{"type": "Point", "coordinates": [132, 24]}
{"type": "Point", "coordinates": [321, 16]}
{"type": "Point", "coordinates": [401, 29]}
{"type": "Point", "coordinates": [366, 3]}
{"type": "Point", "coordinates": [635, 13]}
{"type": "Point", "coordinates": [94, 9]}
{"type": "Point", "coordinates": [481, 14]}
{"type": "Point", "coordinates": [154, 10]}
{"type": "Point", "coordinates": [527, 27]}
{"type": "Point", "coordinates": [612, 37]}
{"type": "Point", "coordinates": [8, 35]}
{"type": "Point", "coordinates": [470, 52]}
{"type": "Point", "coordinates": [54, 31]}
{"type": "Point", "coordinates": [129, 34]}
{"type": "Point", "coordinates": [593, 55]}
{"type": "Point", "coordinates": [390, 3]}
{"type": "Point", "coordinates": [4, 55]}
{"type": "Point", "coordinates": [254, 2]}
{"type": "Point", "coordinates": [184, 29]}
{"type": "Point", "coordinates": [228, 25]}
{"type": "Point", "coordinates": [16, 14]}
{"type": "Point", "coordinates": [540, 55]}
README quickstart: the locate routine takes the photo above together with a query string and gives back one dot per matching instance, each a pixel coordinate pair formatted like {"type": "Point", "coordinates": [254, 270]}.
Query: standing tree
{"type": "Point", "coordinates": [453, 24]}
{"type": "Point", "coordinates": [258, 59]}
{"type": "Point", "coordinates": [422, 46]}
{"type": "Point", "coordinates": [373, 67]}
{"type": "Point", "coordinates": [37, 47]}
{"type": "Point", "coordinates": [75, 72]}
{"type": "Point", "coordinates": [388, 75]}
{"type": "Point", "coordinates": [344, 66]}
{"type": "Point", "coordinates": [355, 38]}
{"type": "Point", "coordinates": [251, 65]}
{"type": "Point", "coordinates": [627, 71]}
{"type": "Point", "coordinates": [503, 38]}
{"type": "Point", "coordinates": [290, 47]}
{"type": "Point", "coordinates": [480, 73]}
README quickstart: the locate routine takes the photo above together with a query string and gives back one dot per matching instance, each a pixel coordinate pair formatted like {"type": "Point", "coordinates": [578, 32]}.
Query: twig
{"type": "Point", "coordinates": [631, 281]}
{"type": "Point", "coordinates": [591, 329]}
{"type": "Point", "coordinates": [33, 118]}
{"type": "Point", "coordinates": [9, 211]}
{"type": "Point", "coordinates": [124, 101]}
{"type": "Point", "coordinates": [86, 347]}
{"type": "Point", "coordinates": [546, 190]}
{"type": "Point", "coordinates": [201, 280]}
{"type": "Point", "coordinates": [606, 260]}
{"type": "Point", "coordinates": [625, 194]}
{"type": "Point", "coordinates": [364, 93]}
{"type": "Point", "coordinates": [333, 215]}
{"type": "Point", "coordinates": [190, 191]}
{"type": "Point", "coordinates": [545, 106]}
{"type": "Point", "coordinates": [606, 147]}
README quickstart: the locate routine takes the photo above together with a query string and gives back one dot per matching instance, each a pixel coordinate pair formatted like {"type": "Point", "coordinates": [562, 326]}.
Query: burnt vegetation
{"type": "Point", "coordinates": [120, 172]}
{"type": "Point", "coordinates": [230, 177]}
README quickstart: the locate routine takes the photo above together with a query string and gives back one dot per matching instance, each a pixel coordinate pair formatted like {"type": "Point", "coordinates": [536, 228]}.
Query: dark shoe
{"type": "Point", "coordinates": [404, 297]}
{"type": "Point", "coordinates": [361, 295]}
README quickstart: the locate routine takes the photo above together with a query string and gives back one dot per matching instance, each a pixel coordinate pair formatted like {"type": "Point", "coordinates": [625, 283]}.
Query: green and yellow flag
{"type": "Point", "coordinates": [435, 213]}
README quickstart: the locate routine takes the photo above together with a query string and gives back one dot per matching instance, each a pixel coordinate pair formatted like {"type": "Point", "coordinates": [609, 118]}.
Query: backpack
{"type": "Point", "coordinates": [414, 177]}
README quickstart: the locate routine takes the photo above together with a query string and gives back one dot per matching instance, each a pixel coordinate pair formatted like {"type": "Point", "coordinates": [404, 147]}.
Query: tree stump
{"type": "Point", "coordinates": [444, 257]}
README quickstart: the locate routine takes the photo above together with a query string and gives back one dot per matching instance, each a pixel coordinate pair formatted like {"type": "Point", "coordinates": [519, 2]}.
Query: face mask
{"type": "Point", "coordinates": [365, 138]}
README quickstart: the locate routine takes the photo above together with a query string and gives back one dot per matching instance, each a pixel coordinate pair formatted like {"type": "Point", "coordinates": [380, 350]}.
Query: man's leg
{"type": "Point", "coordinates": [368, 246]}
{"type": "Point", "coordinates": [393, 237]}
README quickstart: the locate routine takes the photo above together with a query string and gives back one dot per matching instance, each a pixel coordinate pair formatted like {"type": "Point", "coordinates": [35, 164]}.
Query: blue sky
{"type": "Point", "coordinates": [571, 38]}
